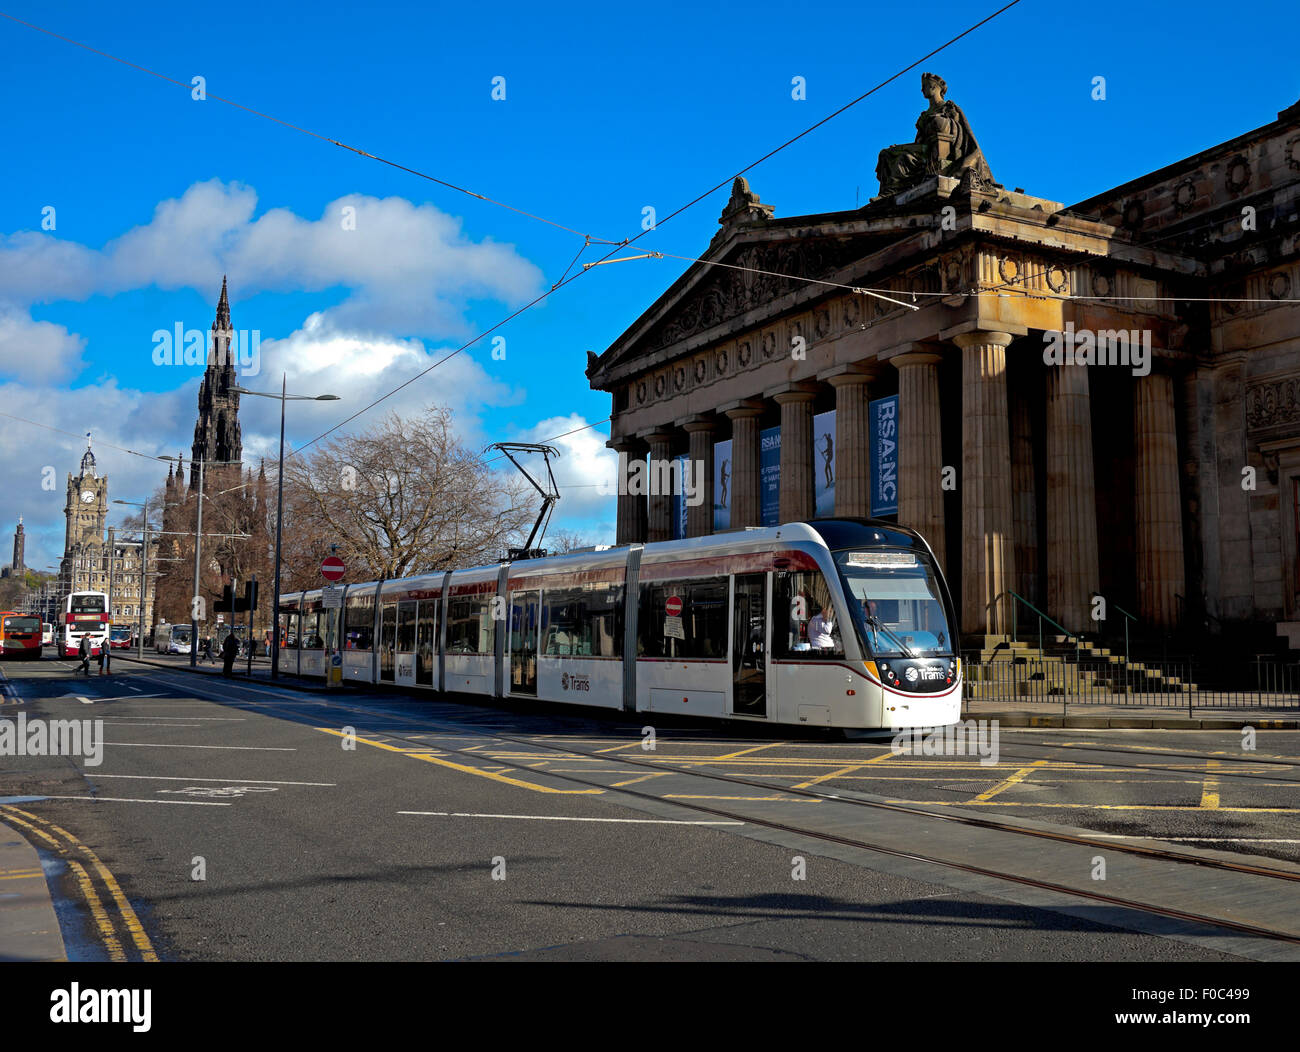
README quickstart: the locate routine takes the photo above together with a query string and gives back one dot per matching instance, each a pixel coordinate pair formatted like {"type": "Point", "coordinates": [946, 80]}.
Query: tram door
{"type": "Point", "coordinates": [387, 641]}
{"type": "Point", "coordinates": [524, 610]}
{"type": "Point", "coordinates": [749, 645]}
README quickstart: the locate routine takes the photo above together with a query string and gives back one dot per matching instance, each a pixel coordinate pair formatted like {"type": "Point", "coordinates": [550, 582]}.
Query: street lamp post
{"type": "Point", "coordinates": [144, 562]}
{"type": "Point", "coordinates": [279, 513]}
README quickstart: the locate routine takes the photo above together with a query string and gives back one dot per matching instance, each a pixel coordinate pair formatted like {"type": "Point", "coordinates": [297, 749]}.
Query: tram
{"type": "Point", "coordinates": [835, 622]}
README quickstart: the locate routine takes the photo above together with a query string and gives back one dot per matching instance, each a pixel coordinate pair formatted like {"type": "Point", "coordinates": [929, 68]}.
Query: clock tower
{"type": "Point", "coordinates": [87, 506]}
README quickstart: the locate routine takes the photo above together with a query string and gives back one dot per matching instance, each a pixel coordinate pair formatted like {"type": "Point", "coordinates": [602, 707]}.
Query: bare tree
{"type": "Point", "coordinates": [402, 498]}
{"type": "Point", "coordinates": [560, 542]}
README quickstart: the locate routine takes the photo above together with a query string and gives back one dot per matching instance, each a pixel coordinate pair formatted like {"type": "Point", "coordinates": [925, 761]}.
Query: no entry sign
{"type": "Point", "coordinates": [332, 568]}
{"type": "Point", "coordinates": [673, 606]}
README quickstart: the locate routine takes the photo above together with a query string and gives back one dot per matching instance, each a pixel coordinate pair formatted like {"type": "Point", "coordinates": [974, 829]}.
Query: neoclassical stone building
{"type": "Point", "coordinates": [1169, 486]}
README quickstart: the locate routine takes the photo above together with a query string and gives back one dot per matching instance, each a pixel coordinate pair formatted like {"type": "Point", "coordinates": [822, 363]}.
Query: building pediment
{"type": "Point", "coordinates": [750, 267]}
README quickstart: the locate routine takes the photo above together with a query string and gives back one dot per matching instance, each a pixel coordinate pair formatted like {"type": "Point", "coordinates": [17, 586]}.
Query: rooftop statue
{"type": "Point", "coordinates": [944, 145]}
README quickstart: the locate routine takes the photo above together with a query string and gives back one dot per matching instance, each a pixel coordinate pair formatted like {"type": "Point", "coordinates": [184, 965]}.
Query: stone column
{"type": "Point", "coordinates": [797, 499]}
{"type": "Point", "coordinates": [1159, 504]}
{"type": "Point", "coordinates": [988, 555]}
{"type": "Point", "coordinates": [659, 497]}
{"type": "Point", "coordinates": [852, 456]}
{"type": "Point", "coordinates": [631, 522]}
{"type": "Point", "coordinates": [699, 517]}
{"type": "Point", "coordinates": [1024, 497]}
{"type": "Point", "coordinates": [745, 500]}
{"type": "Point", "coordinates": [1073, 572]}
{"type": "Point", "coordinates": [920, 448]}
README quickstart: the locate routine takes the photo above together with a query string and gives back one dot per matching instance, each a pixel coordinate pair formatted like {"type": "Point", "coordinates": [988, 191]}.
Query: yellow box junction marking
{"type": "Point", "coordinates": [463, 768]}
{"type": "Point", "coordinates": [1210, 790]}
{"type": "Point", "coordinates": [1007, 783]}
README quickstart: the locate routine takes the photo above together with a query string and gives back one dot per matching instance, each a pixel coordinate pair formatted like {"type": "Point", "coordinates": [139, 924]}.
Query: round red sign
{"type": "Point", "coordinates": [332, 568]}
{"type": "Point", "coordinates": [673, 607]}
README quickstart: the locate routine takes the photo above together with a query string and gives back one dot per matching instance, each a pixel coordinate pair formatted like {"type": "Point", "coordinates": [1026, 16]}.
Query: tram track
{"type": "Point", "coordinates": [426, 724]}
{"type": "Point", "coordinates": [1221, 758]}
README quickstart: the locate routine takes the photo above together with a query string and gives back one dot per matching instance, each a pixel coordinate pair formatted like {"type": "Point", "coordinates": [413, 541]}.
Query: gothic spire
{"type": "Point", "coordinates": [223, 310]}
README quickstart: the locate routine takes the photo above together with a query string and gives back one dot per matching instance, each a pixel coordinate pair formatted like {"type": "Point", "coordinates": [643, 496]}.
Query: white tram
{"type": "Point", "coordinates": [836, 622]}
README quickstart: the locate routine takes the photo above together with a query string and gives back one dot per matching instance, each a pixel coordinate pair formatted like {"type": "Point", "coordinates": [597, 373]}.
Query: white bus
{"type": "Point", "coordinates": [84, 614]}
{"type": "Point", "coordinates": [172, 639]}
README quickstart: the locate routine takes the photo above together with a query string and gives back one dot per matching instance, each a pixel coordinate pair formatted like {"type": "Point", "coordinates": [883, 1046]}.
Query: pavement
{"type": "Point", "coordinates": [29, 927]}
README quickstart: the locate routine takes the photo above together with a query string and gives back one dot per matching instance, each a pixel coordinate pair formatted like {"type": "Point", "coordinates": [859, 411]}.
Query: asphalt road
{"type": "Point", "coordinates": [386, 828]}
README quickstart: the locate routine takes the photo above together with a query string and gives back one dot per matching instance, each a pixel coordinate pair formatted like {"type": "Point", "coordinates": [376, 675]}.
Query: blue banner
{"type": "Point", "coordinates": [679, 499]}
{"type": "Point", "coordinates": [824, 464]}
{"type": "Point", "coordinates": [769, 476]}
{"type": "Point", "coordinates": [883, 416]}
{"type": "Point", "coordinates": [722, 485]}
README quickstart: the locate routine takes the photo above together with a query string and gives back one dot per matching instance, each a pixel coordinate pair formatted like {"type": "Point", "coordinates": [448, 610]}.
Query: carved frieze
{"type": "Point", "coordinates": [730, 293]}
{"type": "Point", "coordinates": [1273, 403]}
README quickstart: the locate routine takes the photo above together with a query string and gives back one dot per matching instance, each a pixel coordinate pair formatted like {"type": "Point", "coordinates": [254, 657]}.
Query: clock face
{"type": "Point", "coordinates": [87, 496]}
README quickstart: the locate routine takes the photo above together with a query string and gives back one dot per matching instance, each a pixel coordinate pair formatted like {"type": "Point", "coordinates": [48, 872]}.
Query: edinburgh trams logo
{"type": "Point", "coordinates": [575, 682]}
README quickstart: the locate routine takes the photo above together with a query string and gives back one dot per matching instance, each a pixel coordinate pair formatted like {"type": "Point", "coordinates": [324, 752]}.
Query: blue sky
{"type": "Point", "coordinates": [608, 109]}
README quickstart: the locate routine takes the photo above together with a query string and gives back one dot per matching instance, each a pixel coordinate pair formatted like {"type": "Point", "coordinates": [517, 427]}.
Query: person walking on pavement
{"type": "Point", "coordinates": [104, 657]}
{"type": "Point", "coordinates": [207, 650]}
{"type": "Point", "coordinates": [229, 651]}
{"type": "Point", "coordinates": [83, 652]}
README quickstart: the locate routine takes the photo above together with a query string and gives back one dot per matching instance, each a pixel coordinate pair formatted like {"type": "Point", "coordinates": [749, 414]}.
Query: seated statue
{"type": "Point", "coordinates": [944, 146]}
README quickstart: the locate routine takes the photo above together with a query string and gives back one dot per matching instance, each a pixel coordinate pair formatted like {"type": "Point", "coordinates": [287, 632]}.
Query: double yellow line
{"type": "Point", "coordinates": [69, 847]}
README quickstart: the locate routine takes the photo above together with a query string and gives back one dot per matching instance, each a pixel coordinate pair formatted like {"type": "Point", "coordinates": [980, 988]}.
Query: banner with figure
{"type": "Point", "coordinates": [722, 485]}
{"type": "Point", "coordinates": [883, 417]}
{"type": "Point", "coordinates": [769, 476]}
{"type": "Point", "coordinates": [679, 499]}
{"type": "Point", "coordinates": [824, 464]}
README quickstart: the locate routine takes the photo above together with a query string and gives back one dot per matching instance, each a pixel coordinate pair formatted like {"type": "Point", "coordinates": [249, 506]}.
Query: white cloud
{"type": "Point", "coordinates": [410, 268]}
{"type": "Point", "coordinates": [584, 465]}
{"type": "Point", "coordinates": [32, 350]}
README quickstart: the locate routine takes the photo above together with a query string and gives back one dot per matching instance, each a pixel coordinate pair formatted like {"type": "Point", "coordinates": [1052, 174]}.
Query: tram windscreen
{"type": "Point", "coordinates": [895, 603]}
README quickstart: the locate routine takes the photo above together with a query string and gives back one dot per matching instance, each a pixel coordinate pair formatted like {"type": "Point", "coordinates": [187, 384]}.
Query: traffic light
{"type": "Point", "coordinates": [226, 604]}
{"type": "Point", "coordinates": [250, 595]}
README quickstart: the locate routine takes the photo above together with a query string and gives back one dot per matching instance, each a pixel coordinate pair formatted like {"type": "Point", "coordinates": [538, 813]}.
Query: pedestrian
{"type": "Point", "coordinates": [83, 652]}
{"type": "Point", "coordinates": [104, 657]}
{"type": "Point", "coordinates": [229, 651]}
{"type": "Point", "coordinates": [207, 650]}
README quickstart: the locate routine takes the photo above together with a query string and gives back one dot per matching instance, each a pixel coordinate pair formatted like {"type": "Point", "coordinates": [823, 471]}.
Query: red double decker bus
{"type": "Point", "coordinates": [20, 635]}
{"type": "Point", "coordinates": [84, 614]}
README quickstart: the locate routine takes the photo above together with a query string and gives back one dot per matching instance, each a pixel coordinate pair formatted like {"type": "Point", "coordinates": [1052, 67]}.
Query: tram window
{"type": "Point", "coordinates": [470, 628]}
{"type": "Point", "coordinates": [313, 638]}
{"type": "Point", "coordinates": [700, 631]}
{"type": "Point", "coordinates": [583, 622]}
{"type": "Point", "coordinates": [405, 628]}
{"type": "Point", "coordinates": [804, 624]}
{"type": "Point", "coordinates": [359, 623]}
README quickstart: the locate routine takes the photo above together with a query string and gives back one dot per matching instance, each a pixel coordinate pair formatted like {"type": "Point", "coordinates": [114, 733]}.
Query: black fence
{"type": "Point", "coordinates": [1185, 685]}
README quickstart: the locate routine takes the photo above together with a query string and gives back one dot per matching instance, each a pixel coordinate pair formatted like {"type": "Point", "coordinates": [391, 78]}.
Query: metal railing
{"type": "Point", "coordinates": [1011, 679]}
{"type": "Point", "coordinates": [1041, 618]}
